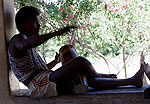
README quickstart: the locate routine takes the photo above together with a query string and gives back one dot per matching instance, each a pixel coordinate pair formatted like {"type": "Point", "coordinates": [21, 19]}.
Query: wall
{"type": "Point", "coordinates": [9, 32]}
{"type": "Point", "coordinates": [6, 27]}
{"type": "Point", "coordinates": [4, 92]}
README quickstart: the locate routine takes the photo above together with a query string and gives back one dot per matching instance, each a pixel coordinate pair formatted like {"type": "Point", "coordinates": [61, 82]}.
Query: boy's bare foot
{"type": "Point", "coordinates": [147, 70]}
{"type": "Point", "coordinates": [138, 77]}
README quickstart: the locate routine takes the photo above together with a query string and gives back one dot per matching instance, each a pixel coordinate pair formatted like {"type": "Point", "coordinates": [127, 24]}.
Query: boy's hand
{"type": "Point", "coordinates": [57, 58]}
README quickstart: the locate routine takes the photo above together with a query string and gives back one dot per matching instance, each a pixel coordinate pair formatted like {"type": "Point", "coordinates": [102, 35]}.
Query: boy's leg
{"type": "Point", "coordinates": [136, 80]}
{"type": "Point", "coordinates": [69, 70]}
{"type": "Point", "coordinates": [64, 75]}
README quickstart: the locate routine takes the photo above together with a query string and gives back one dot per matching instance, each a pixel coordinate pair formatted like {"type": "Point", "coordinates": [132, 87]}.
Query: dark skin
{"type": "Point", "coordinates": [29, 38]}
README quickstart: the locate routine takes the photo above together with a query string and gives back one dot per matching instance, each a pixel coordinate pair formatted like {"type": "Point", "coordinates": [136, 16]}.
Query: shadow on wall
{"type": "Point", "coordinates": [9, 17]}
{"type": "Point", "coordinates": [9, 20]}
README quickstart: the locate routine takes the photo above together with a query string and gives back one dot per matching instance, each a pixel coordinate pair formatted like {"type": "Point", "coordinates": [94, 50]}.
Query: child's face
{"type": "Point", "coordinates": [32, 26]}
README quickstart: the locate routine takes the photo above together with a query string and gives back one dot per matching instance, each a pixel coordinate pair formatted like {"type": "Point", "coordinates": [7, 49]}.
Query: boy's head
{"type": "Point", "coordinates": [24, 14]}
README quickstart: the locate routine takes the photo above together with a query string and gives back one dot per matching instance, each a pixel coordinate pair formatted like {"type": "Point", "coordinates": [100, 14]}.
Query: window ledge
{"type": "Point", "coordinates": [122, 95]}
{"type": "Point", "coordinates": [119, 90]}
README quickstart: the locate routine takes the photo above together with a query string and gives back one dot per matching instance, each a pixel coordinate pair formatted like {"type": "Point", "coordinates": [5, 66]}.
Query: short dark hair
{"type": "Point", "coordinates": [24, 14]}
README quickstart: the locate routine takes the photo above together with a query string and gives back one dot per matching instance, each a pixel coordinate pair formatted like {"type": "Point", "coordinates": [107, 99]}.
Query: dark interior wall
{"type": "Point", "coordinates": [6, 30]}
{"type": "Point", "coordinates": [4, 92]}
{"type": "Point", "coordinates": [9, 23]}
{"type": "Point", "coordinates": [9, 18]}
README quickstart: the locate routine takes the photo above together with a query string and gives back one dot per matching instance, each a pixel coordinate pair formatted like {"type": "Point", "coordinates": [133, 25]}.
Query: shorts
{"type": "Point", "coordinates": [40, 86]}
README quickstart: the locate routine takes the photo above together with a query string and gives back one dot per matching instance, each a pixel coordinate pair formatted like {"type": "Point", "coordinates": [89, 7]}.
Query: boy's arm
{"type": "Point", "coordinates": [36, 40]}
{"type": "Point", "coordinates": [54, 62]}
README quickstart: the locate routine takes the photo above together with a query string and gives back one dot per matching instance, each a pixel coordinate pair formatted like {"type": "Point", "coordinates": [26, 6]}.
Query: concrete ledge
{"type": "Point", "coordinates": [119, 90]}
{"type": "Point", "coordinates": [122, 95]}
{"type": "Point", "coordinates": [86, 99]}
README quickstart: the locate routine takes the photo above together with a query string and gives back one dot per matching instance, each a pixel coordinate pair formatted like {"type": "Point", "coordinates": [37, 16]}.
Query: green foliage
{"type": "Point", "coordinates": [103, 26]}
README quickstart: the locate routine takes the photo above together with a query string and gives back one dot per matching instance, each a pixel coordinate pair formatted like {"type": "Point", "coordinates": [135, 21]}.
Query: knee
{"type": "Point", "coordinates": [82, 61]}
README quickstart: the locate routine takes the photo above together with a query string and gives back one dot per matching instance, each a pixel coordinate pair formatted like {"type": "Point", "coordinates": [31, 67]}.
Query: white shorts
{"type": "Point", "coordinates": [40, 86]}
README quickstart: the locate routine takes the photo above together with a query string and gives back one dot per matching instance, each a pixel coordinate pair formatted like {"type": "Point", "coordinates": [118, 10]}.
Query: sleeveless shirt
{"type": "Point", "coordinates": [23, 67]}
